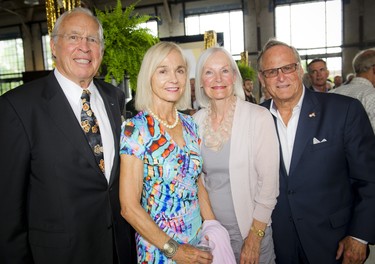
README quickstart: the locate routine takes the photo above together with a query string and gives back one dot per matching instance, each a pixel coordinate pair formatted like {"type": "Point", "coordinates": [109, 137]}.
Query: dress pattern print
{"type": "Point", "coordinates": [170, 191]}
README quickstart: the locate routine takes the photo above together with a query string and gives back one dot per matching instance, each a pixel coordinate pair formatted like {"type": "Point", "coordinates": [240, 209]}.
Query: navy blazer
{"type": "Point", "coordinates": [56, 204]}
{"type": "Point", "coordinates": [330, 190]}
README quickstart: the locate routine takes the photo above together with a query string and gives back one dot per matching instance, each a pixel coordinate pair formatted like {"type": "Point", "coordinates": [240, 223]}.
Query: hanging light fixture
{"type": "Point", "coordinates": [54, 8]}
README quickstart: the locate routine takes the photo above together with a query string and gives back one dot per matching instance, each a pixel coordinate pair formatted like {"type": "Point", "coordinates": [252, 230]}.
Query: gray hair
{"type": "Point", "coordinates": [363, 61]}
{"type": "Point", "coordinates": [202, 99]}
{"type": "Point", "coordinates": [152, 59]}
{"type": "Point", "coordinates": [77, 10]}
{"type": "Point", "coordinates": [272, 43]}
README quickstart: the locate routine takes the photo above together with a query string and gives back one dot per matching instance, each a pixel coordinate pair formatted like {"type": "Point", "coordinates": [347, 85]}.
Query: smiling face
{"type": "Point", "coordinates": [80, 61]}
{"type": "Point", "coordinates": [285, 87]}
{"type": "Point", "coordinates": [169, 80]}
{"type": "Point", "coordinates": [218, 77]}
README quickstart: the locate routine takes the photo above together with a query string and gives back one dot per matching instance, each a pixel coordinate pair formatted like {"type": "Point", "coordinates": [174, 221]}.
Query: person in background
{"type": "Point", "coordinates": [337, 80]}
{"type": "Point", "coordinates": [60, 164]}
{"type": "Point", "coordinates": [265, 95]}
{"type": "Point", "coordinates": [248, 87]}
{"type": "Point", "coordinates": [325, 210]}
{"type": "Point", "coordinates": [161, 192]}
{"type": "Point", "coordinates": [240, 157]}
{"type": "Point", "coordinates": [318, 73]}
{"type": "Point", "coordinates": [362, 86]}
{"type": "Point", "coordinates": [194, 105]}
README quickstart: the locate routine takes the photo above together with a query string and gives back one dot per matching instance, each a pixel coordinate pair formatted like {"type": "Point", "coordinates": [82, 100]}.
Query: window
{"type": "Point", "coordinates": [315, 29]}
{"type": "Point", "coordinates": [47, 54]}
{"type": "Point", "coordinates": [230, 23]}
{"type": "Point", "coordinates": [152, 25]}
{"type": "Point", "coordinates": [12, 64]}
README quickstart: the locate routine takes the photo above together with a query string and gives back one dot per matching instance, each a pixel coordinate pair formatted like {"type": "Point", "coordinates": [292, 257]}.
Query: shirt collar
{"type": "Point", "coordinates": [273, 107]}
{"type": "Point", "coordinates": [70, 88]}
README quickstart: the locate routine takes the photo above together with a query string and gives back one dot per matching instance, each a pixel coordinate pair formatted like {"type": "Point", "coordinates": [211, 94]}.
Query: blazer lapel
{"type": "Point", "coordinates": [307, 124]}
{"type": "Point", "coordinates": [63, 117]}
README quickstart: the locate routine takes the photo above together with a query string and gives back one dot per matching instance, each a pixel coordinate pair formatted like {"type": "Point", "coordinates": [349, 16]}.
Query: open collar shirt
{"type": "Point", "coordinates": [287, 133]}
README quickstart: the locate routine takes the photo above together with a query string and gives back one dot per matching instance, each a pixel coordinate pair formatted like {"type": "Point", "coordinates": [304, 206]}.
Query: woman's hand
{"type": "Point", "coordinates": [250, 249]}
{"type": "Point", "coordinates": [190, 255]}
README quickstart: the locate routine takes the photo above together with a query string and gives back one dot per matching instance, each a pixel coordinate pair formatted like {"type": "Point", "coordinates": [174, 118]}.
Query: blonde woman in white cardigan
{"type": "Point", "coordinates": [240, 157]}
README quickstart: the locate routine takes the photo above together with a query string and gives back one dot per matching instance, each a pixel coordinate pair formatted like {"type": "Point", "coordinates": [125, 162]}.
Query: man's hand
{"type": "Point", "coordinates": [352, 251]}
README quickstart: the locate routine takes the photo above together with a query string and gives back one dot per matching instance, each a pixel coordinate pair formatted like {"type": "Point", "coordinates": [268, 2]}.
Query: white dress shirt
{"type": "Point", "coordinates": [73, 93]}
{"type": "Point", "coordinates": [287, 133]}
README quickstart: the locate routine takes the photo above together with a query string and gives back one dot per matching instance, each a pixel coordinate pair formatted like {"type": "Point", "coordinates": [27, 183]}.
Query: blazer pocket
{"type": "Point", "coordinates": [51, 240]}
{"type": "Point", "coordinates": [322, 145]}
{"type": "Point", "coordinates": [340, 218]}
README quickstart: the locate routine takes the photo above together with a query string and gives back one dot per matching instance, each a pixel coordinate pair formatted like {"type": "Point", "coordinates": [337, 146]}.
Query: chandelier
{"type": "Point", "coordinates": [54, 8]}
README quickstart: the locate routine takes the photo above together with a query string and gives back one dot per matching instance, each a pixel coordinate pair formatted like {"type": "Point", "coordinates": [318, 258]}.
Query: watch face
{"type": "Point", "coordinates": [261, 233]}
{"type": "Point", "coordinates": [170, 250]}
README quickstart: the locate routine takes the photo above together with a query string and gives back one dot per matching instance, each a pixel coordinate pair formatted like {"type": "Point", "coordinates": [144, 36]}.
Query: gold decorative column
{"type": "Point", "coordinates": [209, 39]}
{"type": "Point", "coordinates": [54, 8]}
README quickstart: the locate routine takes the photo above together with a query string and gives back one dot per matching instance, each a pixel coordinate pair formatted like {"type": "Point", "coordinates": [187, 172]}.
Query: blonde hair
{"type": "Point", "coordinates": [152, 59]}
{"type": "Point", "coordinates": [201, 97]}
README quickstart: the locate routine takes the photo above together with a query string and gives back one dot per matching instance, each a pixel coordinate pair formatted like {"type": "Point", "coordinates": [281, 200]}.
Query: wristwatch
{"type": "Point", "coordinates": [170, 248]}
{"type": "Point", "coordinates": [258, 232]}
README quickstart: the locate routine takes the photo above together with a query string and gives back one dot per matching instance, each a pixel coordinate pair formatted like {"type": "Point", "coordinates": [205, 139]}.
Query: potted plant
{"type": "Point", "coordinates": [125, 42]}
{"type": "Point", "coordinates": [246, 71]}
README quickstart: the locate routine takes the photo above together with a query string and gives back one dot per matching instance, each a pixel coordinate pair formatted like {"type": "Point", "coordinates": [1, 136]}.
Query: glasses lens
{"type": "Point", "coordinates": [270, 73]}
{"type": "Point", "coordinates": [289, 68]}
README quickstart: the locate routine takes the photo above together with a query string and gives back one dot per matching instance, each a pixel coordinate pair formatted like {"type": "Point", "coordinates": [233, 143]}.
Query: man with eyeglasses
{"type": "Point", "coordinates": [319, 73]}
{"type": "Point", "coordinates": [59, 180]}
{"type": "Point", "coordinates": [325, 210]}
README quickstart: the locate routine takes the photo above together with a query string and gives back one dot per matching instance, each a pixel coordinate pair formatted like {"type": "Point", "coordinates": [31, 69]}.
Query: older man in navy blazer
{"type": "Point", "coordinates": [325, 212]}
{"type": "Point", "coordinates": [58, 204]}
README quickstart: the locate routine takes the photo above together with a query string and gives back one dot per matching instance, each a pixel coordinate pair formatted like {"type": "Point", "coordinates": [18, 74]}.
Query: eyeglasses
{"type": "Point", "coordinates": [77, 39]}
{"type": "Point", "coordinates": [285, 69]}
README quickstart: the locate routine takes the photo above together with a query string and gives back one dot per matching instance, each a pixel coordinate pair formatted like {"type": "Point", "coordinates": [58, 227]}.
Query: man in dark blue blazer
{"type": "Point", "coordinates": [325, 212]}
{"type": "Point", "coordinates": [57, 205]}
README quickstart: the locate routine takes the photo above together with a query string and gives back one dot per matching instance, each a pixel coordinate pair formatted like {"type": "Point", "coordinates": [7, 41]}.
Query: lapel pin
{"type": "Point", "coordinates": [312, 114]}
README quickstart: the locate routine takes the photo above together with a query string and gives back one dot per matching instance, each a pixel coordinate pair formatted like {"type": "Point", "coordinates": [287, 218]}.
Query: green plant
{"type": "Point", "coordinates": [125, 42]}
{"type": "Point", "coordinates": [246, 71]}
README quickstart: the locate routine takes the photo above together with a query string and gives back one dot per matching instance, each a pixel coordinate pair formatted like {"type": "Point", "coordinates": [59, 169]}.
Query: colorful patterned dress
{"type": "Point", "coordinates": [170, 191]}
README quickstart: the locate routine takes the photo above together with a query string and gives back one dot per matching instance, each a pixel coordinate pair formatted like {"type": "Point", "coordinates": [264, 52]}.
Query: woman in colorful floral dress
{"type": "Point", "coordinates": [161, 164]}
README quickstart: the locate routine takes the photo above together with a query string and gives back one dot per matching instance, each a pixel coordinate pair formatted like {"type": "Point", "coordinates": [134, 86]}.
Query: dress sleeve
{"type": "Point", "coordinates": [131, 141]}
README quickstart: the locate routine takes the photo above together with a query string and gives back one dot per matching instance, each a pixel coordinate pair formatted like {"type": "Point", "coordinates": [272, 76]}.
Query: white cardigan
{"type": "Point", "coordinates": [253, 163]}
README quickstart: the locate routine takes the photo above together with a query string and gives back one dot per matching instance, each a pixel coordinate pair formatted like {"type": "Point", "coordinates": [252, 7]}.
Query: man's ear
{"type": "Point", "coordinates": [260, 78]}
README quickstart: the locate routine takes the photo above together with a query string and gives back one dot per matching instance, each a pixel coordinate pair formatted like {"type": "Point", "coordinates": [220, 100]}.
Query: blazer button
{"type": "Point", "coordinates": [290, 192]}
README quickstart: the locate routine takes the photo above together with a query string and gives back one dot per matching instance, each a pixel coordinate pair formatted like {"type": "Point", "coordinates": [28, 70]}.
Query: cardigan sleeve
{"type": "Point", "coordinates": [266, 163]}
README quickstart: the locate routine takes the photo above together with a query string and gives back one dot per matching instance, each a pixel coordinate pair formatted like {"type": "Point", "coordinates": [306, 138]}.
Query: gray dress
{"type": "Point", "coordinates": [217, 182]}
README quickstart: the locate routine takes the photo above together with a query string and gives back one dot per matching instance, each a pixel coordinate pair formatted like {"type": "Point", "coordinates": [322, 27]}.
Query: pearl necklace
{"type": "Point", "coordinates": [164, 123]}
